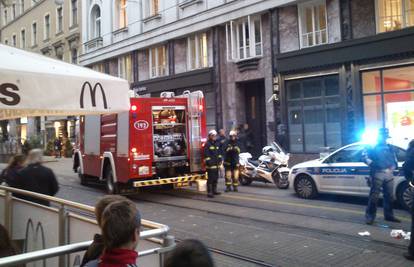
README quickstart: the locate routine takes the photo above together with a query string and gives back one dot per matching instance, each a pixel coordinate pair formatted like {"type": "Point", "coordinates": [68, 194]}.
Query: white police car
{"type": "Point", "coordinates": [343, 172]}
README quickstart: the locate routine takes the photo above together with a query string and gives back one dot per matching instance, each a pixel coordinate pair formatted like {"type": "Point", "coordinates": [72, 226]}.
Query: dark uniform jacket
{"type": "Point", "coordinates": [408, 165]}
{"type": "Point", "coordinates": [94, 250]}
{"type": "Point", "coordinates": [232, 151]}
{"type": "Point", "coordinates": [212, 155]}
{"type": "Point", "coordinates": [39, 179]}
{"type": "Point", "coordinates": [221, 141]}
{"type": "Point", "coordinates": [382, 157]}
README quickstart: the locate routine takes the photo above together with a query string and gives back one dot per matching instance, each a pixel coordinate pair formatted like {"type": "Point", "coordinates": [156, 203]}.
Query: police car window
{"type": "Point", "coordinates": [400, 153]}
{"type": "Point", "coordinates": [349, 154]}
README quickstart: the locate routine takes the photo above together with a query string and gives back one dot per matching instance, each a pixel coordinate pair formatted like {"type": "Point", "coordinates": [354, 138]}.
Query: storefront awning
{"type": "Point", "coordinates": [35, 85]}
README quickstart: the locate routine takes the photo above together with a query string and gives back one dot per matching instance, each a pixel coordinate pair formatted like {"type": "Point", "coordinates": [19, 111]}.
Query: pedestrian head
{"type": "Point", "coordinates": [212, 135]}
{"type": "Point", "coordinates": [103, 203]}
{"type": "Point", "coordinates": [120, 223]}
{"type": "Point", "coordinates": [221, 132]}
{"type": "Point", "coordinates": [35, 156]}
{"type": "Point", "coordinates": [233, 135]}
{"type": "Point", "coordinates": [16, 161]}
{"type": "Point", "coordinates": [189, 253]}
{"type": "Point", "coordinates": [246, 126]}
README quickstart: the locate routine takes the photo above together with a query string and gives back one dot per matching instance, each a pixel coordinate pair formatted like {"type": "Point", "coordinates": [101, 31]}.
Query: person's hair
{"type": "Point", "coordinates": [16, 160]}
{"type": "Point", "coordinates": [120, 220]}
{"type": "Point", "coordinates": [189, 253]}
{"type": "Point", "coordinates": [6, 245]}
{"type": "Point", "coordinates": [411, 144]}
{"type": "Point", "coordinates": [103, 203]}
{"type": "Point", "coordinates": [35, 156]}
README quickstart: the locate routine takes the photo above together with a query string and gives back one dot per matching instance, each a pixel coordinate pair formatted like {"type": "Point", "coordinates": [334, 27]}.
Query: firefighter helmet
{"type": "Point", "coordinates": [212, 132]}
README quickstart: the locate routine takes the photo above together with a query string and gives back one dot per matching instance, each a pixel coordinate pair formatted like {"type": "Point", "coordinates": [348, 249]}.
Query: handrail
{"type": "Point", "coordinates": [145, 223]}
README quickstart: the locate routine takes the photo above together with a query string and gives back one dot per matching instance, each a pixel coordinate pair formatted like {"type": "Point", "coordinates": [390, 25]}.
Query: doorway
{"type": "Point", "coordinates": [254, 115]}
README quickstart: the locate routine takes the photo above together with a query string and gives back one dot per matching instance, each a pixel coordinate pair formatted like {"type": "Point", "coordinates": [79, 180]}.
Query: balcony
{"type": "Point", "coordinates": [120, 34]}
{"type": "Point", "coordinates": [93, 44]}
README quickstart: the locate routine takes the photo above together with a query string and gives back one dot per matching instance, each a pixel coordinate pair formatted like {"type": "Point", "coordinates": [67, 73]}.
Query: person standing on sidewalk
{"type": "Point", "coordinates": [382, 161]}
{"type": "Point", "coordinates": [222, 141]}
{"type": "Point", "coordinates": [213, 160]}
{"type": "Point", "coordinates": [231, 162]}
{"type": "Point", "coordinates": [408, 168]}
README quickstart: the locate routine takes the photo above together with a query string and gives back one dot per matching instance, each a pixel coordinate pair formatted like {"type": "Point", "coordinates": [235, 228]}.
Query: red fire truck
{"type": "Point", "coordinates": [158, 142]}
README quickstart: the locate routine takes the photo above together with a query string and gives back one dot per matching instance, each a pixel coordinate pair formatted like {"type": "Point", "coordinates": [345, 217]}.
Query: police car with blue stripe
{"type": "Point", "coordinates": [343, 172]}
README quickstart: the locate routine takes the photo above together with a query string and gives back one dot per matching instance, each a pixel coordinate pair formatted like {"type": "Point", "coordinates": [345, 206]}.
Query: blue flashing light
{"type": "Point", "coordinates": [369, 136]}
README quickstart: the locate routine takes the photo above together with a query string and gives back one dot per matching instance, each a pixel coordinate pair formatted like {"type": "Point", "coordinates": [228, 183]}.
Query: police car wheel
{"type": "Point", "coordinates": [305, 187]}
{"type": "Point", "coordinates": [405, 195]}
{"type": "Point", "coordinates": [111, 186]}
{"type": "Point", "coordinates": [244, 180]}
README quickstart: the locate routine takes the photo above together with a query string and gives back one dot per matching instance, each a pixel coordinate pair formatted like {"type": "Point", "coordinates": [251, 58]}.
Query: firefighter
{"type": "Point", "coordinates": [231, 162]}
{"type": "Point", "coordinates": [222, 141]}
{"type": "Point", "coordinates": [213, 160]}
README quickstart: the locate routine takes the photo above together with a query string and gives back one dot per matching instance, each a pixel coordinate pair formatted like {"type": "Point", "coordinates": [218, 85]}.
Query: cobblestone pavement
{"type": "Point", "coordinates": [263, 223]}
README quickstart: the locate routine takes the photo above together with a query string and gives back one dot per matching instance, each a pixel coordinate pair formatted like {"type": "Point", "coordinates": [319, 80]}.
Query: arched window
{"type": "Point", "coordinates": [121, 20]}
{"type": "Point", "coordinates": [95, 22]}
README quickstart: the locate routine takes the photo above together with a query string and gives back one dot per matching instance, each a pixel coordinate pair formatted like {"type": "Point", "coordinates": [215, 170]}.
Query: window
{"type": "Point", "coordinates": [34, 34]}
{"type": "Point", "coordinates": [59, 19]}
{"type": "Point", "coordinates": [74, 56]}
{"type": "Point", "coordinates": [95, 22]}
{"type": "Point", "coordinates": [314, 113]}
{"type": "Point", "coordinates": [13, 11]}
{"type": "Point", "coordinates": [394, 14]}
{"type": "Point", "coordinates": [348, 154]}
{"type": "Point", "coordinates": [121, 14]}
{"type": "Point", "coordinates": [33, 2]}
{"type": "Point", "coordinates": [125, 68]}
{"type": "Point", "coordinates": [244, 38]}
{"type": "Point", "coordinates": [154, 7]}
{"type": "Point", "coordinates": [14, 40]}
{"type": "Point", "coordinates": [158, 61]}
{"type": "Point", "coordinates": [74, 12]}
{"type": "Point", "coordinates": [6, 42]}
{"type": "Point", "coordinates": [47, 27]}
{"type": "Point", "coordinates": [5, 17]}
{"type": "Point", "coordinates": [23, 39]}
{"type": "Point", "coordinates": [197, 51]}
{"type": "Point", "coordinates": [388, 97]}
{"type": "Point", "coordinates": [21, 6]}
{"type": "Point", "coordinates": [312, 24]}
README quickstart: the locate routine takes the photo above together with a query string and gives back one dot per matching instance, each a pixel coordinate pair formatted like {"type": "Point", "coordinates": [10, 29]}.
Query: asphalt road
{"type": "Point", "coordinates": [263, 224]}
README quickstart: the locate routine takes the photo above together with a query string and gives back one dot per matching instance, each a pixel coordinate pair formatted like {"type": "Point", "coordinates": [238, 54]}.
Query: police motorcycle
{"type": "Point", "coordinates": [270, 167]}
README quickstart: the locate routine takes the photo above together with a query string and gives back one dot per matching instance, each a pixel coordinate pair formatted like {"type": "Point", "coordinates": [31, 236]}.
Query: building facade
{"type": "Point", "coordinates": [221, 47]}
{"type": "Point", "coordinates": [53, 30]}
{"type": "Point", "coordinates": [343, 67]}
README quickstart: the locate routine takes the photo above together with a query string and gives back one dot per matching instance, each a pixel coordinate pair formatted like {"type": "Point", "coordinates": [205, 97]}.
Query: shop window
{"type": "Point", "coordinates": [158, 61]}
{"type": "Point", "coordinates": [314, 114]}
{"type": "Point", "coordinates": [121, 14]}
{"type": "Point", "coordinates": [95, 22]}
{"type": "Point", "coordinates": [313, 23]}
{"type": "Point", "coordinates": [125, 68]}
{"type": "Point", "coordinates": [244, 38]}
{"type": "Point", "coordinates": [392, 105]}
{"type": "Point", "coordinates": [197, 51]}
{"type": "Point", "coordinates": [100, 67]}
{"type": "Point", "coordinates": [394, 14]}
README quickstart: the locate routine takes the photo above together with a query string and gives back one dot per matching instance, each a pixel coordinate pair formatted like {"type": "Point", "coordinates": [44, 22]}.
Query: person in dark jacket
{"type": "Point", "coordinates": [382, 162]}
{"type": "Point", "coordinates": [38, 178]}
{"type": "Point", "coordinates": [97, 247]}
{"type": "Point", "coordinates": [231, 162]}
{"type": "Point", "coordinates": [213, 160]}
{"type": "Point", "coordinates": [222, 141]}
{"type": "Point", "coordinates": [408, 168]}
{"type": "Point", "coordinates": [10, 174]}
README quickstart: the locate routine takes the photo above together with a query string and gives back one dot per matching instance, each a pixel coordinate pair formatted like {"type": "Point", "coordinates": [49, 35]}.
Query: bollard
{"type": "Point", "coordinates": [168, 244]}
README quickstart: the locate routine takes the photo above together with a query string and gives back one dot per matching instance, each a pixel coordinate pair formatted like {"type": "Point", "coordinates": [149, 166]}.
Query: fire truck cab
{"type": "Point", "coordinates": [158, 142]}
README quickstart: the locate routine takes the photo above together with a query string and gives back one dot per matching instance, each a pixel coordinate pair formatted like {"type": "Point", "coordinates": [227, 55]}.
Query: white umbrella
{"type": "Point", "coordinates": [35, 85]}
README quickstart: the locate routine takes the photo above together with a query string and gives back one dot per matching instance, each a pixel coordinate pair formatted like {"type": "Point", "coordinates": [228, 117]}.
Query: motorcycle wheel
{"type": "Point", "coordinates": [276, 181]}
{"type": "Point", "coordinates": [245, 180]}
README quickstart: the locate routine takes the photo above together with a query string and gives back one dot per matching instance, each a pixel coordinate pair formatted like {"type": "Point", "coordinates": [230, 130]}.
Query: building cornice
{"type": "Point", "coordinates": [200, 21]}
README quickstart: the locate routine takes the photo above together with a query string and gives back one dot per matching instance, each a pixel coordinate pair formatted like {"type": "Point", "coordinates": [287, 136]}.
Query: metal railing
{"type": "Point", "coordinates": [155, 232]}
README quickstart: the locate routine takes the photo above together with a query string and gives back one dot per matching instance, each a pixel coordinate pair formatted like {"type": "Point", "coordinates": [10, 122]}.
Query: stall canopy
{"type": "Point", "coordinates": [35, 85]}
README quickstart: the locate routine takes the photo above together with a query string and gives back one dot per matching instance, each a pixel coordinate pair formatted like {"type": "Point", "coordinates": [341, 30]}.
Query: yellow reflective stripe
{"type": "Point", "coordinates": [212, 148]}
{"type": "Point", "coordinates": [211, 167]}
{"type": "Point", "coordinates": [208, 158]}
{"type": "Point", "coordinates": [220, 156]}
{"type": "Point", "coordinates": [238, 149]}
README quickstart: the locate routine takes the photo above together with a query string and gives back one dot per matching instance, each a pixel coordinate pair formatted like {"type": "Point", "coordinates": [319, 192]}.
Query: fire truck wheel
{"type": "Point", "coordinates": [82, 177]}
{"type": "Point", "coordinates": [111, 186]}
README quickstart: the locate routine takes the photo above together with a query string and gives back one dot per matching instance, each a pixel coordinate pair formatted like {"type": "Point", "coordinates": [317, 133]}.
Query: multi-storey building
{"type": "Point", "coordinates": [342, 66]}
{"type": "Point", "coordinates": [53, 30]}
{"type": "Point", "coordinates": [222, 47]}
